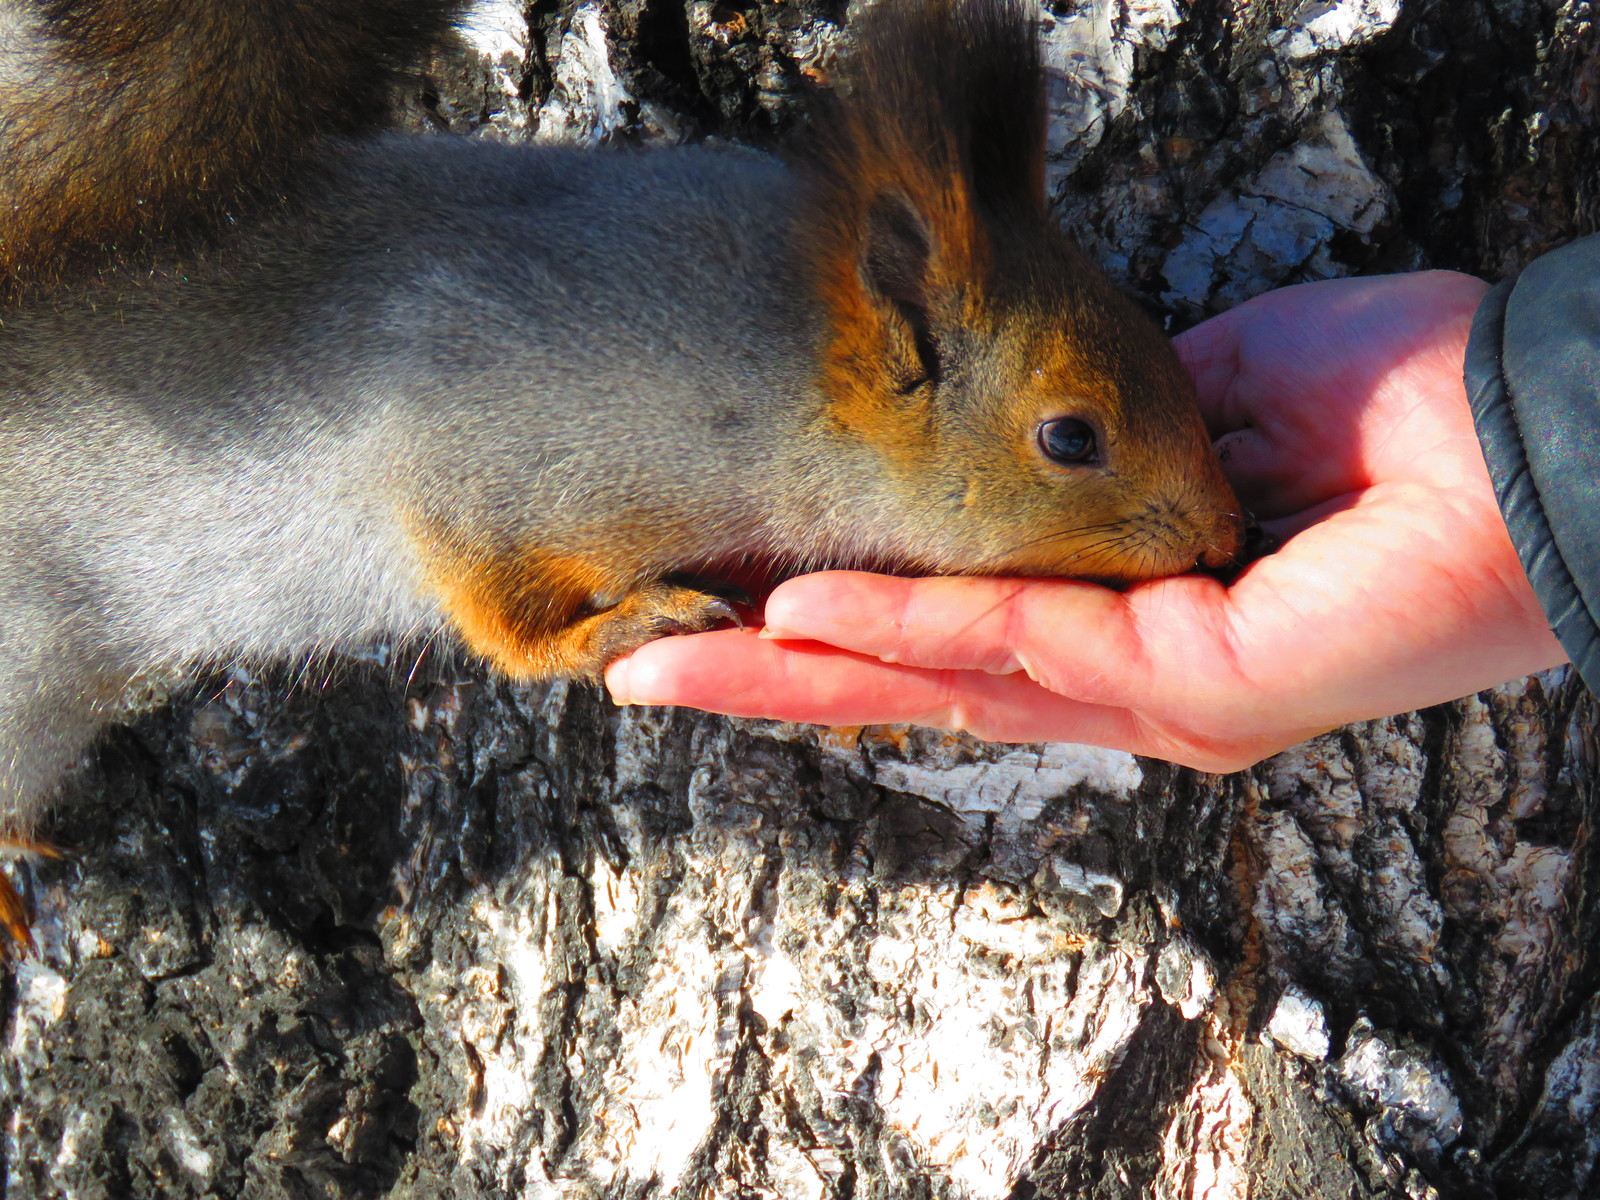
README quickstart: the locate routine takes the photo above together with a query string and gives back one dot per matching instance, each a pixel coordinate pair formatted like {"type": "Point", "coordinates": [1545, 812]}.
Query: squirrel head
{"type": "Point", "coordinates": [1027, 417]}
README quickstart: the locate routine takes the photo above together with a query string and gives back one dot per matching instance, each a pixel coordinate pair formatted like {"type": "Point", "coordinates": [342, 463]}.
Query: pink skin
{"type": "Point", "coordinates": [1344, 426]}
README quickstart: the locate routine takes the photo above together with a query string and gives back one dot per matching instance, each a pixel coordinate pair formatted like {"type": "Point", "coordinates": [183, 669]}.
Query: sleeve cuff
{"type": "Point", "coordinates": [1533, 378]}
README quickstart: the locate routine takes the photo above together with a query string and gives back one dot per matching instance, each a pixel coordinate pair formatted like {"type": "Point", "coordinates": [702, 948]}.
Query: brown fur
{"type": "Point", "coordinates": [925, 224]}
{"type": "Point", "coordinates": [134, 123]}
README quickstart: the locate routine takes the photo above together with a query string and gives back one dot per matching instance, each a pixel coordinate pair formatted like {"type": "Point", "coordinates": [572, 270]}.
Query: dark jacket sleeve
{"type": "Point", "coordinates": [1533, 374]}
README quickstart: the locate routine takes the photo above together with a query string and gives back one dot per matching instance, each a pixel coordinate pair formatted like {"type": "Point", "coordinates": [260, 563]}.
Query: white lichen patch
{"type": "Point", "coordinates": [1572, 1091]}
{"type": "Point", "coordinates": [992, 919]}
{"type": "Point", "coordinates": [184, 1140]}
{"type": "Point", "coordinates": [1346, 817]}
{"type": "Point", "coordinates": [1324, 173]}
{"type": "Point", "coordinates": [993, 1066]}
{"type": "Point", "coordinates": [1089, 54]}
{"type": "Point", "coordinates": [616, 907]}
{"type": "Point", "coordinates": [1279, 222]}
{"type": "Point", "coordinates": [1206, 1150]}
{"type": "Point", "coordinates": [1016, 786]}
{"type": "Point", "coordinates": [1415, 1092]}
{"type": "Point", "coordinates": [1102, 889]}
{"type": "Point", "coordinates": [1010, 1031]}
{"type": "Point", "coordinates": [1536, 881]}
{"type": "Point", "coordinates": [799, 1174]}
{"type": "Point", "coordinates": [495, 29]}
{"type": "Point", "coordinates": [1317, 782]}
{"type": "Point", "coordinates": [1276, 226]}
{"type": "Point", "coordinates": [1240, 246]}
{"type": "Point", "coordinates": [1299, 1026]}
{"type": "Point", "coordinates": [586, 102]}
{"type": "Point", "coordinates": [1185, 977]}
{"type": "Point", "coordinates": [1475, 768]}
{"type": "Point", "coordinates": [496, 1009]}
{"type": "Point", "coordinates": [660, 1090]}
{"type": "Point", "coordinates": [40, 1000]}
{"type": "Point", "coordinates": [1321, 27]}
{"type": "Point", "coordinates": [1290, 901]}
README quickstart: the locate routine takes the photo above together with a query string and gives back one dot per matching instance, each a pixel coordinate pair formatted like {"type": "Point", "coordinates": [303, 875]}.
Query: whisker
{"type": "Point", "coordinates": [422, 653]}
{"type": "Point", "coordinates": [1104, 543]}
{"type": "Point", "coordinates": [1060, 534]}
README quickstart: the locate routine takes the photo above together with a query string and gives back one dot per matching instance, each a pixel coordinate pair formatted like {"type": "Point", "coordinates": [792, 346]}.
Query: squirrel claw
{"type": "Point", "coordinates": [690, 611]}
{"type": "Point", "coordinates": [720, 610]}
{"type": "Point", "coordinates": [16, 938]}
{"type": "Point", "coordinates": [16, 934]}
{"type": "Point", "coordinates": [657, 611]}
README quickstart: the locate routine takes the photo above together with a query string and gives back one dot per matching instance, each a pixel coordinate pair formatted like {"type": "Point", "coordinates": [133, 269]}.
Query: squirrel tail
{"type": "Point", "coordinates": [125, 123]}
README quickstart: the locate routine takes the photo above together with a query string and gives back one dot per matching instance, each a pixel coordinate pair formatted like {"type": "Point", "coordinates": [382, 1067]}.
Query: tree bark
{"type": "Point", "coordinates": [389, 926]}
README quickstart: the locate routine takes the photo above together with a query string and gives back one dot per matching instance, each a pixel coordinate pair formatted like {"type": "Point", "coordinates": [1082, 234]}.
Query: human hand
{"type": "Point", "coordinates": [1345, 429]}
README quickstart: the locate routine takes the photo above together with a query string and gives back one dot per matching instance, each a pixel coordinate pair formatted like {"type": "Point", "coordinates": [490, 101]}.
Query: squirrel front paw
{"type": "Point", "coordinates": [660, 610]}
{"type": "Point", "coordinates": [537, 619]}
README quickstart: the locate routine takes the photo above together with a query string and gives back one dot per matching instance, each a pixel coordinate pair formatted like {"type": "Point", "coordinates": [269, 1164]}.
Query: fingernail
{"type": "Point", "coordinates": [617, 683]}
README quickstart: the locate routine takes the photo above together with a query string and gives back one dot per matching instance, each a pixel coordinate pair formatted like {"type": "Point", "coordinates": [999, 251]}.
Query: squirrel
{"type": "Point", "coordinates": [274, 381]}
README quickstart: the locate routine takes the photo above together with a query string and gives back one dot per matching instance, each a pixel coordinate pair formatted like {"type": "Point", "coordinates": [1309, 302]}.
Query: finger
{"type": "Point", "coordinates": [736, 672]}
{"type": "Point", "coordinates": [1154, 645]}
{"type": "Point", "coordinates": [941, 623]}
{"type": "Point", "coordinates": [1210, 353]}
{"type": "Point", "coordinates": [997, 626]}
{"type": "Point", "coordinates": [731, 672]}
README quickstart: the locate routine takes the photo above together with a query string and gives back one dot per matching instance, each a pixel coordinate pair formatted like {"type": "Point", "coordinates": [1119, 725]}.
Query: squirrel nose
{"type": "Point", "coordinates": [1226, 538]}
{"type": "Point", "coordinates": [1249, 541]}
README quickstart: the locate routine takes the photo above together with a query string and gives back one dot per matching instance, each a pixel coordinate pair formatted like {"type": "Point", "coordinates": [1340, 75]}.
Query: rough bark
{"type": "Point", "coordinates": [391, 927]}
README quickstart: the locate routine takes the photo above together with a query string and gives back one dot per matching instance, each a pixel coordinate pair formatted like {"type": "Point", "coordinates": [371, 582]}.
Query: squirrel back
{"type": "Point", "coordinates": [134, 125]}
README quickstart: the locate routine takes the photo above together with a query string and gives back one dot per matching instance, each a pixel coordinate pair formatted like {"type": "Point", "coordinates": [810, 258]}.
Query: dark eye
{"type": "Point", "coordinates": [1070, 441]}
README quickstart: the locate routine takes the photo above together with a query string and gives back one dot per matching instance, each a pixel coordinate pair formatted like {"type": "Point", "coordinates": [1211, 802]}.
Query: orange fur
{"type": "Point", "coordinates": [14, 920]}
{"type": "Point", "coordinates": [510, 610]}
{"type": "Point", "coordinates": [960, 322]}
{"type": "Point", "coordinates": [870, 356]}
{"type": "Point", "coordinates": [543, 613]}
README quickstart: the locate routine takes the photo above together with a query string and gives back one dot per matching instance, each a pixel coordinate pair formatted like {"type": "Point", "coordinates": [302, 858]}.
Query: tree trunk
{"type": "Point", "coordinates": [393, 927]}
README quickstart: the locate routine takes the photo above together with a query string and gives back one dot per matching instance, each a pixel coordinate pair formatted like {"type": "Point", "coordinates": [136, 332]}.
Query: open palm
{"type": "Point", "coordinates": [1344, 427]}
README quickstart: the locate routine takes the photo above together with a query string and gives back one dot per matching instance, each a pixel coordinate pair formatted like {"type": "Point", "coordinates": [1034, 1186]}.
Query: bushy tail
{"type": "Point", "coordinates": [125, 123]}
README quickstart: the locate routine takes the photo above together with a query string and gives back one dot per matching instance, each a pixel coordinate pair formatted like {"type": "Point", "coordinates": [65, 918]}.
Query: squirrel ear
{"type": "Point", "coordinates": [896, 253]}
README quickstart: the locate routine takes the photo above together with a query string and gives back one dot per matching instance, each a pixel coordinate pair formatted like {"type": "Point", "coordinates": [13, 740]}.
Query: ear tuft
{"type": "Point", "coordinates": [895, 258]}
{"type": "Point", "coordinates": [931, 161]}
{"type": "Point", "coordinates": [941, 97]}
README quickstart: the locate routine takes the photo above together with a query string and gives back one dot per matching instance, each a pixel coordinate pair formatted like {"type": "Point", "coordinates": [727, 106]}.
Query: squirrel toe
{"type": "Point", "coordinates": [659, 611]}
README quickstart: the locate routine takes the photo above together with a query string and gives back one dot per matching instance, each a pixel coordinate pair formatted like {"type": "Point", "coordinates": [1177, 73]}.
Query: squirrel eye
{"type": "Point", "coordinates": [1069, 441]}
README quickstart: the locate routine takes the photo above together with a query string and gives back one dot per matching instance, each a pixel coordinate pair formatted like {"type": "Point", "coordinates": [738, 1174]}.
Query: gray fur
{"type": "Point", "coordinates": [218, 459]}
